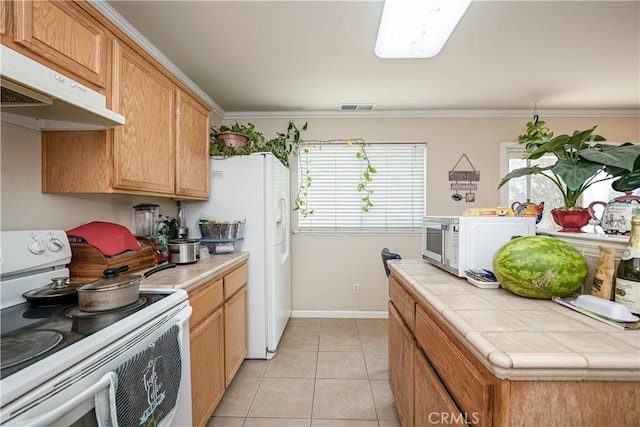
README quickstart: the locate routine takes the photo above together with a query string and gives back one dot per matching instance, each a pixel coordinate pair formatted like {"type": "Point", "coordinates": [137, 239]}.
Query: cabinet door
{"type": "Point", "coordinates": [235, 333]}
{"type": "Point", "coordinates": [207, 367]}
{"type": "Point", "coordinates": [470, 388]}
{"type": "Point", "coordinates": [144, 148]}
{"type": "Point", "coordinates": [433, 405]}
{"type": "Point", "coordinates": [64, 34]}
{"type": "Point", "coordinates": [401, 355]}
{"type": "Point", "coordinates": [192, 148]}
{"type": "Point", "coordinates": [5, 17]}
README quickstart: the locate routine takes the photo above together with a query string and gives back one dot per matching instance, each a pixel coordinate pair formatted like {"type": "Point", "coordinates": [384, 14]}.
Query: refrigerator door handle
{"type": "Point", "coordinates": [284, 201]}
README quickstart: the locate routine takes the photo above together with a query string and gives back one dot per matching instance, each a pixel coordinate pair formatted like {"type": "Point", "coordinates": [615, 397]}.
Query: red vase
{"type": "Point", "coordinates": [571, 219]}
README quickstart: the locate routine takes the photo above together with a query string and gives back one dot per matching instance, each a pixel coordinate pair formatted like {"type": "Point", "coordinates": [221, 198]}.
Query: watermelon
{"type": "Point", "coordinates": [539, 267]}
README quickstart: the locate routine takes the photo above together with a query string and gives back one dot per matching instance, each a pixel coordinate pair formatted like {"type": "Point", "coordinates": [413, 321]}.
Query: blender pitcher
{"type": "Point", "coordinates": [146, 220]}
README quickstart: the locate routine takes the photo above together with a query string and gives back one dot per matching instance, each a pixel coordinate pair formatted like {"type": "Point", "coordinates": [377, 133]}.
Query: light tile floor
{"type": "Point", "coordinates": [326, 373]}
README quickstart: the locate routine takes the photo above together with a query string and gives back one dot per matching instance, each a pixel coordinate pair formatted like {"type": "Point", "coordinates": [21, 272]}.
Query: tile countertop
{"type": "Point", "coordinates": [190, 276]}
{"type": "Point", "coordinates": [519, 338]}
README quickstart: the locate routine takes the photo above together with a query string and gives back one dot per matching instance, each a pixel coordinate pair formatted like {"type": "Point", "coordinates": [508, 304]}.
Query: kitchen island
{"type": "Point", "coordinates": [458, 353]}
{"type": "Point", "coordinates": [218, 327]}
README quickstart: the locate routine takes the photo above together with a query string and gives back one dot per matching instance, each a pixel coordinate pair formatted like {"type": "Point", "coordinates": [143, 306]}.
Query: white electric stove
{"type": "Point", "coordinates": [57, 362]}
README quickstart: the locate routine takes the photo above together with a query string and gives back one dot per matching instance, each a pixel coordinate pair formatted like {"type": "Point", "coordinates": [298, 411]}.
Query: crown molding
{"type": "Point", "coordinates": [110, 13]}
{"type": "Point", "coordinates": [391, 114]}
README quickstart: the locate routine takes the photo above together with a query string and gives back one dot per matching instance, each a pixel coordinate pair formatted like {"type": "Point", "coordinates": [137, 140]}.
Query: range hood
{"type": "Point", "coordinates": [40, 98]}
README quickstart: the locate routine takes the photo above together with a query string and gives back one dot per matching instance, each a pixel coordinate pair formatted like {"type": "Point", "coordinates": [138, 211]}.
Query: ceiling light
{"type": "Point", "coordinates": [417, 28]}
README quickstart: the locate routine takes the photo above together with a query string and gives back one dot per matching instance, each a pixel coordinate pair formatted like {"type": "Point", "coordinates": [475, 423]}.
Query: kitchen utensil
{"type": "Point", "coordinates": [59, 291]}
{"type": "Point", "coordinates": [606, 308]}
{"type": "Point", "coordinates": [616, 216]}
{"type": "Point", "coordinates": [184, 251]}
{"type": "Point", "coordinates": [145, 218]}
{"type": "Point", "coordinates": [183, 230]}
{"type": "Point", "coordinates": [112, 290]}
{"type": "Point", "coordinates": [529, 208]}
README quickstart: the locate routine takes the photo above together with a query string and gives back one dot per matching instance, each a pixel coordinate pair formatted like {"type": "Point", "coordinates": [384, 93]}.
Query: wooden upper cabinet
{"type": "Point", "coordinates": [5, 17]}
{"type": "Point", "coordinates": [144, 148]}
{"type": "Point", "coordinates": [65, 35]}
{"type": "Point", "coordinates": [192, 147]}
{"type": "Point", "coordinates": [163, 148]}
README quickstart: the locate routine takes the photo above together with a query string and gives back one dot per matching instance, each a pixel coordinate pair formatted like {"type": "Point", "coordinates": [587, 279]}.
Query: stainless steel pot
{"type": "Point", "coordinates": [112, 290]}
{"type": "Point", "coordinates": [184, 251]}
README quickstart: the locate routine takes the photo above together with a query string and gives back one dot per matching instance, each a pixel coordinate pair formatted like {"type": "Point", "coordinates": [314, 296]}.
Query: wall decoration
{"type": "Point", "coordinates": [464, 181]}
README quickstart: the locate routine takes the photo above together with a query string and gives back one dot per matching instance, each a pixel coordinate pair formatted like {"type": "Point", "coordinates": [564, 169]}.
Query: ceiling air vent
{"type": "Point", "coordinates": [356, 107]}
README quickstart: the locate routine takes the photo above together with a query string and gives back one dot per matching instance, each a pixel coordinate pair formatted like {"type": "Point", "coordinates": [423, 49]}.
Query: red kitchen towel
{"type": "Point", "coordinates": [110, 239]}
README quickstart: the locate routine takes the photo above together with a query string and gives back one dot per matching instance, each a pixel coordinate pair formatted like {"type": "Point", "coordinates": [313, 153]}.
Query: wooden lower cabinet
{"type": "Point", "coordinates": [235, 333]}
{"type": "Point", "coordinates": [433, 404]}
{"type": "Point", "coordinates": [437, 380]}
{"type": "Point", "coordinates": [218, 338]}
{"type": "Point", "coordinates": [207, 367]}
{"type": "Point", "coordinates": [401, 365]}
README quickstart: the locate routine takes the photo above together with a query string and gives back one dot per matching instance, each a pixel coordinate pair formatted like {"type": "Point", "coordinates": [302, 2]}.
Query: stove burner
{"type": "Point", "coordinates": [27, 345]}
{"type": "Point", "coordinates": [76, 313]}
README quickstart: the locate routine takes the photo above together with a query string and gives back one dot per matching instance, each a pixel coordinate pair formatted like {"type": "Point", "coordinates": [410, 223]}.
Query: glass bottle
{"type": "Point", "coordinates": [627, 290]}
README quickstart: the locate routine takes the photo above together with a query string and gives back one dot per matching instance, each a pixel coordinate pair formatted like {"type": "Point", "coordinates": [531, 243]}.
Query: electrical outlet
{"type": "Point", "coordinates": [356, 288]}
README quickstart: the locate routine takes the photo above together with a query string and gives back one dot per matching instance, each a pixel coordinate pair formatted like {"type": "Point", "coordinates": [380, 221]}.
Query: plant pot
{"type": "Point", "coordinates": [571, 219]}
{"type": "Point", "coordinates": [232, 139]}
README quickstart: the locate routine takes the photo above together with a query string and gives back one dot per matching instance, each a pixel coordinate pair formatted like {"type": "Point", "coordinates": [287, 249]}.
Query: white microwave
{"type": "Point", "coordinates": [460, 243]}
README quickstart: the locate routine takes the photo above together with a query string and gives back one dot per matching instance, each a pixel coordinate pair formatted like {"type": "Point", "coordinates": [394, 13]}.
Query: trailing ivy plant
{"type": "Point", "coordinates": [301, 202]}
{"type": "Point", "coordinates": [285, 143]}
{"type": "Point", "coordinates": [281, 146]}
{"type": "Point", "coordinates": [365, 178]}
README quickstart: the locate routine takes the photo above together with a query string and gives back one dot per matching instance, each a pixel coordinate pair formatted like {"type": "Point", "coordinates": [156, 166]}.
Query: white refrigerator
{"type": "Point", "coordinates": [255, 188]}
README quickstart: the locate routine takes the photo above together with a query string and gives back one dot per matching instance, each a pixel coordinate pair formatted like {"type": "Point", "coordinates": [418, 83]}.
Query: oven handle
{"type": "Point", "coordinates": [54, 415]}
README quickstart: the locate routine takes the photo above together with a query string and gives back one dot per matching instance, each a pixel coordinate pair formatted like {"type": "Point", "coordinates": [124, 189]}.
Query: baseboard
{"type": "Point", "coordinates": [341, 314]}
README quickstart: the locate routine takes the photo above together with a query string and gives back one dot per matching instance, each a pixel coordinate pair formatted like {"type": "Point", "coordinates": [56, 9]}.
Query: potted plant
{"type": "Point", "coordinates": [580, 158]}
{"type": "Point", "coordinates": [235, 139]}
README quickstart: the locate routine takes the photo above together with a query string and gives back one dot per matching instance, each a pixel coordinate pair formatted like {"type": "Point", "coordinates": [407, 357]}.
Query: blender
{"type": "Point", "coordinates": [146, 216]}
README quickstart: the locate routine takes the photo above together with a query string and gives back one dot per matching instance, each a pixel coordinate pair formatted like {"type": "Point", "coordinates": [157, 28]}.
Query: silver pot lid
{"type": "Point", "coordinates": [111, 280]}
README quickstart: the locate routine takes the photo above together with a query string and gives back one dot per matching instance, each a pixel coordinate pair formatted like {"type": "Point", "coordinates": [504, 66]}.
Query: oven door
{"type": "Point", "coordinates": [70, 397]}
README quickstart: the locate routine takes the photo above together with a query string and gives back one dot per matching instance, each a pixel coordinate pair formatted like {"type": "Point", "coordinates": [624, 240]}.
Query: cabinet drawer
{"type": "Point", "coordinates": [235, 280]}
{"type": "Point", "coordinates": [472, 392]}
{"type": "Point", "coordinates": [403, 302]}
{"type": "Point", "coordinates": [204, 301]}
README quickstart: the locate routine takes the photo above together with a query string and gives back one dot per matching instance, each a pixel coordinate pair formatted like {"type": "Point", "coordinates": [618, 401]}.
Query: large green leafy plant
{"type": "Point", "coordinates": [580, 158]}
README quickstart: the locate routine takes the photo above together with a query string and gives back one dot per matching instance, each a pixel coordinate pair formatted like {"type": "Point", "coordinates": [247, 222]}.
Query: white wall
{"type": "Point", "coordinates": [24, 206]}
{"type": "Point", "coordinates": [326, 266]}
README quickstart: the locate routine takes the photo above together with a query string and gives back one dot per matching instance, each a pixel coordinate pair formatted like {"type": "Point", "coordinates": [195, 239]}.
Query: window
{"type": "Point", "coordinates": [537, 188]}
{"type": "Point", "coordinates": [398, 196]}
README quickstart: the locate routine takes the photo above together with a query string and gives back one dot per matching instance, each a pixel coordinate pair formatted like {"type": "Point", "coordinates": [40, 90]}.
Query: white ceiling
{"type": "Point", "coordinates": [312, 56]}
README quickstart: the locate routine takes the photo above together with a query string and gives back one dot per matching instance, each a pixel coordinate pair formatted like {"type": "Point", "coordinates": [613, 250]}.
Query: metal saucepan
{"type": "Point", "coordinates": [112, 290]}
{"type": "Point", "coordinates": [184, 251]}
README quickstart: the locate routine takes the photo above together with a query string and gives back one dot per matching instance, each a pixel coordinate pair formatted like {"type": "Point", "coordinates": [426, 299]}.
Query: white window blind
{"type": "Point", "coordinates": [398, 187]}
